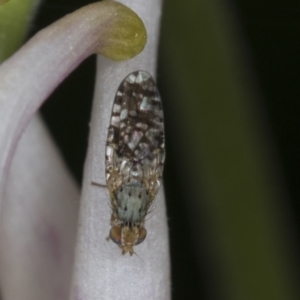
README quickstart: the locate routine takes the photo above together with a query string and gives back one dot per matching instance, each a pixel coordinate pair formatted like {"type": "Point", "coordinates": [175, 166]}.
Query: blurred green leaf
{"type": "Point", "coordinates": [14, 22]}
{"type": "Point", "coordinates": [224, 154]}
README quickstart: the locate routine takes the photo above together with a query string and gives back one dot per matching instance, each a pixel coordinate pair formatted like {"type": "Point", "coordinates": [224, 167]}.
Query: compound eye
{"type": "Point", "coordinates": [116, 235]}
{"type": "Point", "coordinates": [142, 235]}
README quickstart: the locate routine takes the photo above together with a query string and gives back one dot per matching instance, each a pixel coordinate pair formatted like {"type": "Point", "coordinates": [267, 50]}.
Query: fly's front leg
{"type": "Point", "coordinates": [114, 222]}
{"type": "Point", "coordinates": [98, 184]}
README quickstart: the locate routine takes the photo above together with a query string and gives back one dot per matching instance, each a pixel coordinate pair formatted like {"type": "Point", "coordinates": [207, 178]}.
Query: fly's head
{"type": "Point", "coordinates": [127, 236]}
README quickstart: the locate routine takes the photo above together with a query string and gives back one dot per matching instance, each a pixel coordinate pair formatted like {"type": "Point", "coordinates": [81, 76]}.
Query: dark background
{"type": "Point", "coordinates": [270, 34]}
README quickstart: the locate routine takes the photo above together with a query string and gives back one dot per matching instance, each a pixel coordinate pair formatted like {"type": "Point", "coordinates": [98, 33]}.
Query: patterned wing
{"type": "Point", "coordinates": [135, 146]}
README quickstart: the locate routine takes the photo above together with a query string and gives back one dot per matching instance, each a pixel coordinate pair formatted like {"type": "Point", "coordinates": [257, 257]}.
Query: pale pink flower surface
{"type": "Point", "coordinates": [39, 199]}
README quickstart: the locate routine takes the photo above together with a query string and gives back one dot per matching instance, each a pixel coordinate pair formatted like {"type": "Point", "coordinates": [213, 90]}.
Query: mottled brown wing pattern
{"type": "Point", "coordinates": [136, 146]}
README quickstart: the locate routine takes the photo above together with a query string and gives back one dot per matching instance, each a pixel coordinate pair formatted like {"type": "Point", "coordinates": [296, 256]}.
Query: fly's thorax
{"type": "Point", "coordinates": [127, 237]}
{"type": "Point", "coordinates": [132, 202]}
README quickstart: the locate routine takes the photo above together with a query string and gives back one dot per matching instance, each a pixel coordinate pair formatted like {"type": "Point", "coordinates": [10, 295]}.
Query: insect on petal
{"type": "Point", "coordinates": [135, 140]}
